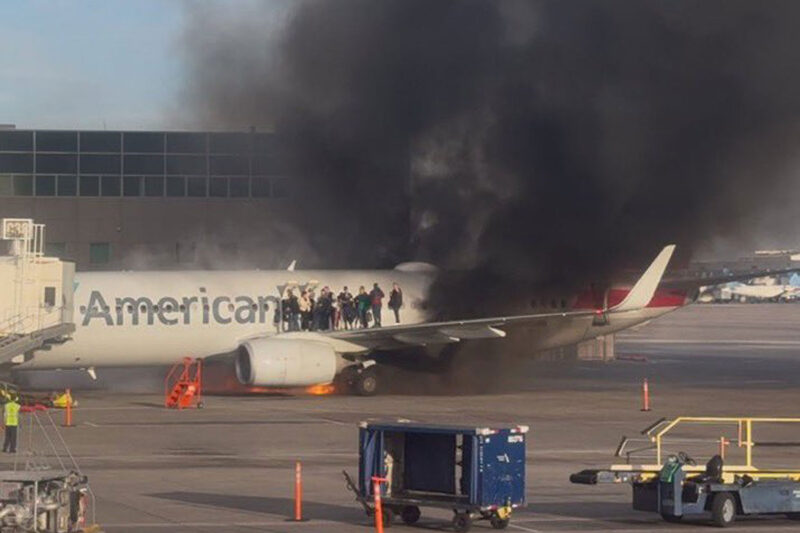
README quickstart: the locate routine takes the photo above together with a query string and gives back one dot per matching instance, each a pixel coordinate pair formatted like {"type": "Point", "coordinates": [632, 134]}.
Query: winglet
{"type": "Point", "coordinates": [291, 266]}
{"type": "Point", "coordinates": [641, 293]}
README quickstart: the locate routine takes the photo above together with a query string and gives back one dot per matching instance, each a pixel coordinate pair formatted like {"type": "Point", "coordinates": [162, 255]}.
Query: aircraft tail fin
{"type": "Point", "coordinates": [644, 289]}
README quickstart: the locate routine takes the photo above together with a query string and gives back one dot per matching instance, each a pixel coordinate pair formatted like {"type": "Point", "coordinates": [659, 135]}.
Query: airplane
{"type": "Point", "coordinates": [160, 317]}
{"type": "Point", "coordinates": [145, 318]}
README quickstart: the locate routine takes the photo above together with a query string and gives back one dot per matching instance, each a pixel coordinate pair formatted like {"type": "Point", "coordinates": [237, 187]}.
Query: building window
{"type": "Point", "coordinates": [100, 141]}
{"type": "Point", "coordinates": [225, 164]}
{"type": "Point", "coordinates": [55, 249]}
{"type": "Point", "coordinates": [23, 185]}
{"type": "Point", "coordinates": [176, 186]}
{"type": "Point", "coordinates": [45, 185]}
{"type": "Point", "coordinates": [153, 186]}
{"type": "Point", "coordinates": [218, 187]}
{"type": "Point", "coordinates": [186, 143]}
{"type": "Point", "coordinates": [196, 187]}
{"type": "Point", "coordinates": [186, 164]}
{"type": "Point", "coordinates": [56, 141]}
{"type": "Point", "coordinates": [90, 186]}
{"type": "Point", "coordinates": [260, 187]}
{"type": "Point", "coordinates": [57, 163]}
{"type": "Point", "coordinates": [280, 188]}
{"type": "Point", "coordinates": [67, 185]}
{"type": "Point", "coordinates": [143, 142]}
{"type": "Point", "coordinates": [110, 186]}
{"type": "Point", "coordinates": [100, 164]}
{"type": "Point", "coordinates": [132, 186]}
{"type": "Point", "coordinates": [17, 163]}
{"type": "Point", "coordinates": [16, 141]}
{"type": "Point", "coordinates": [50, 296]}
{"type": "Point", "coordinates": [144, 164]}
{"type": "Point", "coordinates": [239, 187]}
{"type": "Point", "coordinates": [229, 143]}
{"type": "Point", "coordinates": [6, 185]}
{"type": "Point", "coordinates": [99, 253]}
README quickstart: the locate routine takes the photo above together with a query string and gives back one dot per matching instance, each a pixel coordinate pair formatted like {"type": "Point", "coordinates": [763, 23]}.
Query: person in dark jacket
{"type": "Point", "coordinates": [376, 298]}
{"type": "Point", "coordinates": [362, 306]}
{"type": "Point", "coordinates": [396, 301]}
{"type": "Point", "coordinates": [294, 311]}
{"type": "Point", "coordinates": [346, 308]}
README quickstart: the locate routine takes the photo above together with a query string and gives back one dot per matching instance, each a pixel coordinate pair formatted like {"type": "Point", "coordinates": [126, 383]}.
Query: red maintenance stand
{"type": "Point", "coordinates": [183, 386]}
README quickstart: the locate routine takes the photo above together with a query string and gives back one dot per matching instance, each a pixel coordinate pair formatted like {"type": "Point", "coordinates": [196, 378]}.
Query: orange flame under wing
{"type": "Point", "coordinates": [320, 390]}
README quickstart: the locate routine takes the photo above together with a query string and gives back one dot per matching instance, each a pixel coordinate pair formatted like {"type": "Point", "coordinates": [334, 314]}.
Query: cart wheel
{"type": "Point", "coordinates": [462, 522]}
{"type": "Point", "coordinates": [367, 382]}
{"type": "Point", "coordinates": [723, 510]}
{"type": "Point", "coordinates": [388, 515]}
{"type": "Point", "coordinates": [410, 514]}
{"type": "Point", "coordinates": [499, 523]}
{"type": "Point", "coordinates": [671, 518]}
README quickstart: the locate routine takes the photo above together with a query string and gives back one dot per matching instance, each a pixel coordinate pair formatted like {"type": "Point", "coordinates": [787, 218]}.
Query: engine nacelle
{"type": "Point", "coordinates": [274, 362]}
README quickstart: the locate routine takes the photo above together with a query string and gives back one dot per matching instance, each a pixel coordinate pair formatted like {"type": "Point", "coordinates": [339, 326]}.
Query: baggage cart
{"type": "Point", "coordinates": [478, 472]}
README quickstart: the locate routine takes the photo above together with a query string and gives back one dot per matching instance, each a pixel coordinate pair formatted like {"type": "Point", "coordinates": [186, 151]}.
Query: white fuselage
{"type": "Point", "coordinates": [159, 317]}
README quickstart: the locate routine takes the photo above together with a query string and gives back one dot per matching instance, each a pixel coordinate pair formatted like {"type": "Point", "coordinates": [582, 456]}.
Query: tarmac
{"type": "Point", "coordinates": [230, 466]}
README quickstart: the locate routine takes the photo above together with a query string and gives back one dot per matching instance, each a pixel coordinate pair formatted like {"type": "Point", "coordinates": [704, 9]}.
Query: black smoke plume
{"type": "Point", "coordinates": [522, 143]}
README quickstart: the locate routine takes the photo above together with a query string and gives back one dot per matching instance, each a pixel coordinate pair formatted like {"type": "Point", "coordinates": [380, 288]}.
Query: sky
{"type": "Point", "coordinates": [90, 64]}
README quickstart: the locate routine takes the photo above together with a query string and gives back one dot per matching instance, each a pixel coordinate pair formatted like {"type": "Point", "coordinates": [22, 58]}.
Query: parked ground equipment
{"type": "Point", "coordinates": [183, 386]}
{"type": "Point", "coordinates": [42, 489]}
{"type": "Point", "coordinates": [479, 473]}
{"type": "Point", "coordinates": [677, 487]}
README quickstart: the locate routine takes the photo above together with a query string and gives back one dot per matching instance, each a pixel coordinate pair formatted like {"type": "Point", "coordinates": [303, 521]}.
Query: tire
{"type": "Point", "coordinates": [499, 523]}
{"type": "Point", "coordinates": [367, 382]}
{"type": "Point", "coordinates": [671, 518]}
{"type": "Point", "coordinates": [410, 514]}
{"type": "Point", "coordinates": [723, 510]}
{"type": "Point", "coordinates": [462, 522]}
{"type": "Point", "coordinates": [388, 516]}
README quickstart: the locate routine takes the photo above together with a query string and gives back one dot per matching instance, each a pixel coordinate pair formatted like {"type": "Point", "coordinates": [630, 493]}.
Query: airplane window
{"type": "Point", "coordinates": [155, 309]}
{"type": "Point", "coordinates": [254, 306]}
{"type": "Point", "coordinates": [130, 308]}
{"type": "Point", "coordinates": [83, 309]}
{"type": "Point", "coordinates": [143, 308]}
{"type": "Point", "coordinates": [230, 307]}
{"type": "Point", "coordinates": [182, 307]}
{"type": "Point", "coordinates": [106, 309]}
{"type": "Point", "coordinates": [168, 307]}
{"type": "Point", "coordinates": [205, 306]}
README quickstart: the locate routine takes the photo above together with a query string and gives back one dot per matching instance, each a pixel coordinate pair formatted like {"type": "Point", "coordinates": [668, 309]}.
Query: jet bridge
{"type": "Point", "coordinates": [36, 292]}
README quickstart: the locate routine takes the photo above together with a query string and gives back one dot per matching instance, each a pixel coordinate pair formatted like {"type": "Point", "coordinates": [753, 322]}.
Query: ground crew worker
{"type": "Point", "coordinates": [11, 421]}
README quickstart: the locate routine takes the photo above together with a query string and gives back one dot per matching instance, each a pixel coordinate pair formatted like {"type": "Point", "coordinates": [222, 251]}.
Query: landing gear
{"type": "Point", "coordinates": [358, 379]}
{"type": "Point", "coordinates": [366, 383]}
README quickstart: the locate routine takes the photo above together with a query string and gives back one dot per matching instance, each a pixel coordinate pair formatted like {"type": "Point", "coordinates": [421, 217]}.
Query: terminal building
{"type": "Point", "coordinates": [148, 199]}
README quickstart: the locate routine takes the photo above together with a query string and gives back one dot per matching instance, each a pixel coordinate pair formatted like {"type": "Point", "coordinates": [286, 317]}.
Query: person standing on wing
{"type": "Point", "coordinates": [396, 301]}
{"type": "Point", "coordinates": [376, 298]}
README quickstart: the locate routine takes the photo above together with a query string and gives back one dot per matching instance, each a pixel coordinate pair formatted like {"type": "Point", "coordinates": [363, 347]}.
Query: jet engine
{"type": "Point", "coordinates": [274, 362]}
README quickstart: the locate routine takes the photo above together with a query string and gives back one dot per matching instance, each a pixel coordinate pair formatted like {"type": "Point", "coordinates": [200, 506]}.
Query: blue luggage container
{"type": "Point", "coordinates": [479, 472]}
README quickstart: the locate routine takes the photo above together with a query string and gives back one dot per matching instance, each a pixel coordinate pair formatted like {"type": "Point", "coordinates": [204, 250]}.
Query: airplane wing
{"type": "Point", "coordinates": [694, 282]}
{"type": "Point", "coordinates": [391, 337]}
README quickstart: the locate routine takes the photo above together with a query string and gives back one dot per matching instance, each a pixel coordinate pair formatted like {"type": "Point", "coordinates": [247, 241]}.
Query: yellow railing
{"type": "Point", "coordinates": [744, 427]}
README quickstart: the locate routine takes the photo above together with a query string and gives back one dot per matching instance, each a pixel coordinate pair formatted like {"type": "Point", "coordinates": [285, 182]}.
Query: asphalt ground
{"type": "Point", "coordinates": [230, 466]}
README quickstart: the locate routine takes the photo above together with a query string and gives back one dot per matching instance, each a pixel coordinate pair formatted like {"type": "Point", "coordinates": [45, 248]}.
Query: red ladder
{"type": "Point", "coordinates": [183, 386]}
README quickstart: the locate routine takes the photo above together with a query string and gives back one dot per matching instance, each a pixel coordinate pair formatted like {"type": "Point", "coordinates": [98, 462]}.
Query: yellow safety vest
{"type": "Point", "coordinates": [11, 413]}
